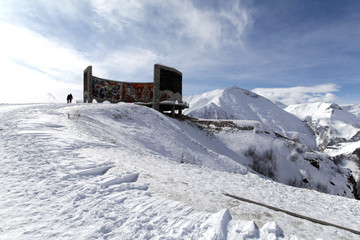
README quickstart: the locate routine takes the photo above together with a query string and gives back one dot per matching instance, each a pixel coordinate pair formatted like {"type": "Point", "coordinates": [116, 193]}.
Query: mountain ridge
{"type": "Point", "coordinates": [327, 125]}
{"type": "Point", "coordinates": [241, 104]}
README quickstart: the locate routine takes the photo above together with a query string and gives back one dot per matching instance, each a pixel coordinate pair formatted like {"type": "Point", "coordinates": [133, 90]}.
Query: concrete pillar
{"type": "Point", "coordinates": [156, 91]}
{"type": "Point", "coordinates": [88, 85]}
{"type": "Point", "coordinates": [173, 111]}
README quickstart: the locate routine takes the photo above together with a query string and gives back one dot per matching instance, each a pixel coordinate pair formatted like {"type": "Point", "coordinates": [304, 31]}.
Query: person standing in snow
{"type": "Point", "coordinates": [69, 98]}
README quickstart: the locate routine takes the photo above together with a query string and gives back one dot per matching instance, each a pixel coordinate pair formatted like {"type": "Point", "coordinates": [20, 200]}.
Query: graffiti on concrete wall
{"type": "Point", "coordinates": [164, 94]}
{"type": "Point", "coordinates": [138, 92]}
{"type": "Point", "coordinates": [113, 91]}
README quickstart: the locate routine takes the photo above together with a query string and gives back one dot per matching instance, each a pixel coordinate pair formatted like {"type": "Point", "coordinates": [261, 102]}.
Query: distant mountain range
{"type": "Point", "coordinates": [326, 129]}
{"type": "Point", "coordinates": [331, 123]}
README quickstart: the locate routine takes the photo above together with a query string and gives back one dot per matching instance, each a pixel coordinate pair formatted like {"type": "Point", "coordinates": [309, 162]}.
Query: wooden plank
{"type": "Point", "coordinates": [293, 214]}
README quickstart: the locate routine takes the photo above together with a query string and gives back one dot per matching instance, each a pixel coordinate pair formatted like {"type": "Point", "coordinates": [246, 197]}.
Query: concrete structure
{"type": "Point", "coordinates": [164, 94]}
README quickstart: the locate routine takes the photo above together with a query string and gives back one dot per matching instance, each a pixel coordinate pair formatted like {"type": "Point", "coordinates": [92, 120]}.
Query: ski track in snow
{"type": "Point", "coordinates": [60, 180]}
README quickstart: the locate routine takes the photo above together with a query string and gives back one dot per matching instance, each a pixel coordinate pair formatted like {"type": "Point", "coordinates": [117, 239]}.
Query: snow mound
{"type": "Point", "coordinates": [131, 177]}
{"type": "Point", "coordinates": [271, 231]}
{"type": "Point", "coordinates": [244, 230]}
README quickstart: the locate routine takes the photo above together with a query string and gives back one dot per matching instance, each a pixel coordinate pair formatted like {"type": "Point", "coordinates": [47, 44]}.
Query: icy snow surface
{"type": "Point", "coordinates": [101, 171]}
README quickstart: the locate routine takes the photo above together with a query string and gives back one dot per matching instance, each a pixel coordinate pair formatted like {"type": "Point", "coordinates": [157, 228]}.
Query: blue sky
{"type": "Point", "coordinates": [288, 50]}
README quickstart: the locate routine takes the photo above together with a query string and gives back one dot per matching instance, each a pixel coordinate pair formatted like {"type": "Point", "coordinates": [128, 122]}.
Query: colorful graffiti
{"type": "Point", "coordinates": [113, 91]}
{"type": "Point", "coordinates": [138, 92]}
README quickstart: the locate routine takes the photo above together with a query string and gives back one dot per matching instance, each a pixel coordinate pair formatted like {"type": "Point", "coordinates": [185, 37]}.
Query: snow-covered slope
{"type": "Point", "coordinates": [241, 104]}
{"type": "Point", "coordinates": [332, 126]}
{"type": "Point", "coordinates": [96, 171]}
{"type": "Point", "coordinates": [330, 123]}
{"type": "Point", "coordinates": [353, 108]}
{"type": "Point", "coordinates": [337, 132]}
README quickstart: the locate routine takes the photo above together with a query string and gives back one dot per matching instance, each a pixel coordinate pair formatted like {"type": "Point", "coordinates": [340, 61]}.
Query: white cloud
{"type": "Point", "coordinates": [69, 8]}
{"type": "Point", "coordinates": [34, 50]}
{"type": "Point", "coordinates": [211, 27]}
{"type": "Point", "coordinates": [239, 18]}
{"type": "Point", "coordinates": [23, 85]}
{"type": "Point", "coordinates": [199, 25]}
{"type": "Point", "coordinates": [300, 94]}
{"type": "Point", "coordinates": [176, 33]}
{"type": "Point", "coordinates": [119, 13]}
{"type": "Point", "coordinates": [131, 63]}
{"type": "Point", "coordinates": [204, 28]}
{"type": "Point", "coordinates": [33, 66]}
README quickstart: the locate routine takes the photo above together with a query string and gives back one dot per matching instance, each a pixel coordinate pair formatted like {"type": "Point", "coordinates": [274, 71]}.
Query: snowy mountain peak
{"type": "Point", "coordinates": [335, 106]}
{"type": "Point", "coordinates": [321, 111]}
{"type": "Point", "coordinates": [315, 125]}
{"type": "Point", "coordinates": [235, 90]}
{"type": "Point", "coordinates": [241, 104]}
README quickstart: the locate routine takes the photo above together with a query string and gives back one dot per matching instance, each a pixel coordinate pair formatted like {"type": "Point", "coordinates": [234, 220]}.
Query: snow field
{"type": "Point", "coordinates": [72, 171]}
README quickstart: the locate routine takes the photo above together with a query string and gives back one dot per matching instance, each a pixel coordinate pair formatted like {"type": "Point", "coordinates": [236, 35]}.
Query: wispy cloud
{"type": "Point", "coordinates": [47, 55]}
{"type": "Point", "coordinates": [300, 94]}
{"type": "Point", "coordinates": [128, 38]}
{"type": "Point", "coordinates": [178, 21]}
{"type": "Point", "coordinates": [119, 15]}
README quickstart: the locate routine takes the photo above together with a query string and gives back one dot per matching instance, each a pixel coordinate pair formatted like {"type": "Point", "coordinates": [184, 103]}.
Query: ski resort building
{"type": "Point", "coordinates": [164, 94]}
